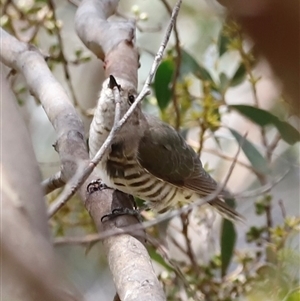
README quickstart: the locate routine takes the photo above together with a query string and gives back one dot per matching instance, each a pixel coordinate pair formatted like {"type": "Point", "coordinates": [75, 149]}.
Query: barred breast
{"type": "Point", "coordinates": [121, 171]}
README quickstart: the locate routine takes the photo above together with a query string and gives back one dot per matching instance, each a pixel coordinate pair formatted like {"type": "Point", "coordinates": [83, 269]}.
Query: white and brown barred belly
{"type": "Point", "coordinates": [121, 171]}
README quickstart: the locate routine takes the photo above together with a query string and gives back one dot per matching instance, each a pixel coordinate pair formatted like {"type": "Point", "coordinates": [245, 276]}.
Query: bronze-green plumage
{"type": "Point", "coordinates": [148, 158]}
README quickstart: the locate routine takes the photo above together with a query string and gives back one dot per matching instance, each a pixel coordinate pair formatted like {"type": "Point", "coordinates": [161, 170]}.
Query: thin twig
{"type": "Point", "coordinates": [171, 214]}
{"type": "Point", "coordinates": [53, 182]}
{"type": "Point", "coordinates": [177, 244]}
{"type": "Point", "coordinates": [223, 156]}
{"type": "Point", "coordinates": [147, 29]}
{"type": "Point", "coordinates": [164, 253]}
{"type": "Point", "coordinates": [269, 221]}
{"type": "Point", "coordinates": [70, 189]}
{"type": "Point", "coordinates": [283, 211]}
{"type": "Point", "coordinates": [85, 240]}
{"type": "Point", "coordinates": [252, 81]}
{"type": "Point", "coordinates": [261, 190]}
{"type": "Point", "coordinates": [190, 252]}
{"type": "Point", "coordinates": [156, 28]}
{"type": "Point", "coordinates": [74, 2]}
{"type": "Point", "coordinates": [201, 137]}
{"type": "Point", "coordinates": [233, 163]}
{"type": "Point", "coordinates": [177, 68]}
{"type": "Point", "coordinates": [61, 55]}
{"type": "Point", "coordinates": [271, 147]}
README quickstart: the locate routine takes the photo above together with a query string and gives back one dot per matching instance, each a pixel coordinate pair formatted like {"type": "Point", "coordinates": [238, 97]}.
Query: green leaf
{"type": "Point", "coordinates": [203, 74]}
{"type": "Point", "coordinates": [239, 75]}
{"type": "Point", "coordinates": [224, 81]}
{"type": "Point", "coordinates": [230, 202]}
{"type": "Point", "coordinates": [163, 78]}
{"type": "Point", "coordinates": [228, 239]}
{"type": "Point", "coordinates": [288, 133]}
{"type": "Point", "coordinates": [293, 296]}
{"type": "Point", "coordinates": [158, 258]}
{"type": "Point", "coordinates": [139, 202]}
{"type": "Point", "coordinates": [257, 161]}
{"type": "Point", "coordinates": [223, 42]}
{"type": "Point", "coordinates": [190, 65]}
{"type": "Point", "coordinates": [263, 118]}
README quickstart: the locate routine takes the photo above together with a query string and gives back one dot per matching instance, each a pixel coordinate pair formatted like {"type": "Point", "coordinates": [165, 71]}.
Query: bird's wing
{"type": "Point", "coordinates": [165, 154]}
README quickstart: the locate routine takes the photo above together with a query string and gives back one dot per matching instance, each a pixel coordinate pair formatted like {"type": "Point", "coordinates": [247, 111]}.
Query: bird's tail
{"type": "Point", "coordinates": [226, 211]}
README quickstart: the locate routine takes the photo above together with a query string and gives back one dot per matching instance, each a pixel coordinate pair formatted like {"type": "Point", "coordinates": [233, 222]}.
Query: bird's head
{"type": "Point", "coordinates": [127, 92]}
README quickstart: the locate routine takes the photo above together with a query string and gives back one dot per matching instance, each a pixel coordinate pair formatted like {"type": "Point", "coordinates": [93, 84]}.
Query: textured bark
{"type": "Point", "coordinates": [30, 271]}
{"type": "Point", "coordinates": [69, 128]}
{"type": "Point", "coordinates": [128, 258]}
{"type": "Point", "coordinates": [111, 41]}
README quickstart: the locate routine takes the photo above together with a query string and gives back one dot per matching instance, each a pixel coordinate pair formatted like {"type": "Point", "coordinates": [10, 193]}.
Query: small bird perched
{"type": "Point", "coordinates": [148, 158]}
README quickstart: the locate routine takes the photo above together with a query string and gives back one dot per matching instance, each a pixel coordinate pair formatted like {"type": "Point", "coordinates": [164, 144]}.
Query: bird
{"type": "Point", "coordinates": [148, 158]}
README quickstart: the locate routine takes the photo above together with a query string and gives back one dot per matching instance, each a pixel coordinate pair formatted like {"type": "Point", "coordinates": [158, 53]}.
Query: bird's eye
{"type": "Point", "coordinates": [131, 99]}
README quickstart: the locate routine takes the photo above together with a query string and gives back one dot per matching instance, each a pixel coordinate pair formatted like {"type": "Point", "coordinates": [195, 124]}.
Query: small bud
{"type": "Point", "coordinates": [49, 25]}
{"type": "Point", "coordinates": [143, 16]}
{"type": "Point", "coordinates": [59, 24]}
{"type": "Point", "coordinates": [135, 9]}
{"type": "Point", "coordinates": [164, 275]}
{"type": "Point", "coordinates": [3, 20]}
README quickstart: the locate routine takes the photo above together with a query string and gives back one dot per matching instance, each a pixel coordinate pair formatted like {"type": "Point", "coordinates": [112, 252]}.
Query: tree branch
{"type": "Point", "coordinates": [27, 60]}
{"type": "Point", "coordinates": [53, 182]}
{"type": "Point", "coordinates": [128, 259]}
{"type": "Point", "coordinates": [29, 268]}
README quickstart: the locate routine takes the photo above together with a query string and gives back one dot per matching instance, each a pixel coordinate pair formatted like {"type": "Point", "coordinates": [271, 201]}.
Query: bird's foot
{"type": "Point", "coordinates": [122, 211]}
{"type": "Point", "coordinates": [99, 185]}
{"type": "Point", "coordinates": [96, 185]}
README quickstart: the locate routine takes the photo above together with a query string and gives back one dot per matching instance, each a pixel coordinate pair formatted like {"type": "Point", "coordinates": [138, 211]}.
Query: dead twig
{"type": "Point", "coordinates": [189, 250]}
{"type": "Point", "coordinates": [263, 189]}
{"type": "Point", "coordinates": [54, 182]}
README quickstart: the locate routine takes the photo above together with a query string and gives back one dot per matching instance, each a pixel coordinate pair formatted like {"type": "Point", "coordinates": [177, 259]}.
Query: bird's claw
{"type": "Point", "coordinates": [96, 185]}
{"type": "Point", "coordinates": [122, 211]}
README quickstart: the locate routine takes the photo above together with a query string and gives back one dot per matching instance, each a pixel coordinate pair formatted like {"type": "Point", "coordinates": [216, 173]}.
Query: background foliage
{"type": "Point", "coordinates": [213, 88]}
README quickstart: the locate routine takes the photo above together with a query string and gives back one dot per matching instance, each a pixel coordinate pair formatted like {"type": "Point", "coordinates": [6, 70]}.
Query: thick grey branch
{"type": "Point", "coordinates": [96, 32]}
{"type": "Point", "coordinates": [27, 60]}
{"type": "Point", "coordinates": [128, 258]}
{"type": "Point", "coordinates": [30, 271]}
{"type": "Point", "coordinates": [108, 40]}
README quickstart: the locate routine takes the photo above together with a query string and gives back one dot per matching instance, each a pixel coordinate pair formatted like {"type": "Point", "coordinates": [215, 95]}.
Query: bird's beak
{"type": "Point", "coordinates": [113, 83]}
